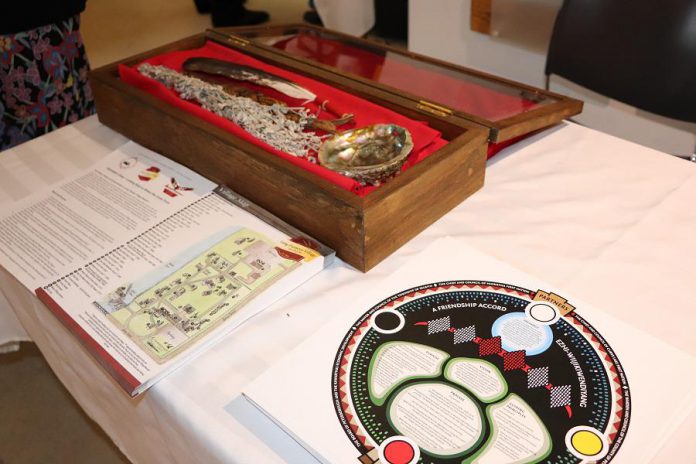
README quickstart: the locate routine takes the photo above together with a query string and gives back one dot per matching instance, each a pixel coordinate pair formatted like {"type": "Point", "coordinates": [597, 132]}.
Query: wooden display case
{"type": "Point", "coordinates": [363, 230]}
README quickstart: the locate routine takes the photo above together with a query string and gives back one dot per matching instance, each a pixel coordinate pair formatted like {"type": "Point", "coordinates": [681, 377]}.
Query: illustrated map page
{"type": "Point", "coordinates": [165, 316]}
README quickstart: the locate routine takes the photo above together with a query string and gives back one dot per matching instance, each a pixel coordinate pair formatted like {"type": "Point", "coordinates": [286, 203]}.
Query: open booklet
{"type": "Point", "coordinates": [459, 358]}
{"type": "Point", "coordinates": [148, 263]}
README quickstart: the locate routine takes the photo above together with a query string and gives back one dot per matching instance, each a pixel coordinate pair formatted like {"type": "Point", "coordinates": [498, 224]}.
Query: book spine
{"type": "Point", "coordinates": [124, 378]}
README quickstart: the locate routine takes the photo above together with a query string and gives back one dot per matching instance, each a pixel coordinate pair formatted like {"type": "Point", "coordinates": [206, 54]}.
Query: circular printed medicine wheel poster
{"type": "Point", "coordinates": [479, 372]}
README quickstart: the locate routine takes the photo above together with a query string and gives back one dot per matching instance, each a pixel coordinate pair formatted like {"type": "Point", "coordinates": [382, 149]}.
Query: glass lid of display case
{"type": "Point", "coordinates": [461, 90]}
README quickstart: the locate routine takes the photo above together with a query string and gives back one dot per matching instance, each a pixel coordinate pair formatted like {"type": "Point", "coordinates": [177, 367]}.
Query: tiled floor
{"type": "Point", "coordinates": [40, 423]}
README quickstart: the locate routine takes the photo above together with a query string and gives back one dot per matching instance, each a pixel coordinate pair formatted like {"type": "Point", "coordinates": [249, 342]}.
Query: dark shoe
{"type": "Point", "coordinates": [203, 6]}
{"type": "Point", "coordinates": [312, 17]}
{"type": "Point", "coordinates": [225, 17]}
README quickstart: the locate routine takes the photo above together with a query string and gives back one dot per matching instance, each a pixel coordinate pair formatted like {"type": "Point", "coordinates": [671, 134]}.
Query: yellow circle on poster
{"type": "Point", "coordinates": [587, 442]}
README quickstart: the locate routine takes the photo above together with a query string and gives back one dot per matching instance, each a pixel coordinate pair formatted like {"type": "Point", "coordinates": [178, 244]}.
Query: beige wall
{"type": "Point", "coordinates": [115, 29]}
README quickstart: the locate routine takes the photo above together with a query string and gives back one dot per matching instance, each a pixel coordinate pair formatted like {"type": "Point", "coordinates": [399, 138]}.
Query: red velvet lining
{"type": "Point", "coordinates": [426, 140]}
{"type": "Point", "coordinates": [494, 148]}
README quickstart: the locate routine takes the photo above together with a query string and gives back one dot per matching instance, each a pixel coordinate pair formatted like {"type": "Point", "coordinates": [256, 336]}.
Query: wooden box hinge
{"type": "Point", "coordinates": [434, 108]}
{"type": "Point", "coordinates": [229, 38]}
{"type": "Point", "coordinates": [237, 41]}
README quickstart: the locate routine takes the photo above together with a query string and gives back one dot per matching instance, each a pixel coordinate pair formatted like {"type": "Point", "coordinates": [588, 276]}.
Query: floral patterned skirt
{"type": "Point", "coordinates": [43, 81]}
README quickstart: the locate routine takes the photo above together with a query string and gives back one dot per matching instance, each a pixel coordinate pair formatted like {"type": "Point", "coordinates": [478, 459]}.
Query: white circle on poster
{"type": "Point", "coordinates": [542, 313]}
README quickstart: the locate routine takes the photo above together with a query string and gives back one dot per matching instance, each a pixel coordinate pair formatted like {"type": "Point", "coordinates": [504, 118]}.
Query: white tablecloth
{"type": "Point", "coordinates": [608, 221]}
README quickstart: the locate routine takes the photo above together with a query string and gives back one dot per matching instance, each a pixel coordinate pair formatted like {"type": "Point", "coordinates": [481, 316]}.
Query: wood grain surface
{"type": "Point", "coordinates": [481, 16]}
{"type": "Point", "coordinates": [363, 231]}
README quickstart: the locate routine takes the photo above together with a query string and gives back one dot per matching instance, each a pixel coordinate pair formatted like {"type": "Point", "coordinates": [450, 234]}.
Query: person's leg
{"type": "Point", "coordinates": [311, 16]}
{"type": "Point", "coordinates": [232, 13]}
{"type": "Point", "coordinates": [203, 6]}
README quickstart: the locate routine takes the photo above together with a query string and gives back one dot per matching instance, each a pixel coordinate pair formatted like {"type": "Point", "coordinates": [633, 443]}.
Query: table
{"type": "Point", "coordinates": [608, 221]}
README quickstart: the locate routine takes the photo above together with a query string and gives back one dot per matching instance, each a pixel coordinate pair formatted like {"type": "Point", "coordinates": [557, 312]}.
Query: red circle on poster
{"type": "Point", "coordinates": [399, 452]}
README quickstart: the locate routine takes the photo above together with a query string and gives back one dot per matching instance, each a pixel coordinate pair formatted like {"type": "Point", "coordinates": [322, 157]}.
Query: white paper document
{"type": "Point", "coordinates": [460, 358]}
{"type": "Point", "coordinates": [148, 263]}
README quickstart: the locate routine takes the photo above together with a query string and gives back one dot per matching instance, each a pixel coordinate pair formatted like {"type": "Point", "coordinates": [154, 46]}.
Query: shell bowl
{"type": "Point", "coordinates": [370, 154]}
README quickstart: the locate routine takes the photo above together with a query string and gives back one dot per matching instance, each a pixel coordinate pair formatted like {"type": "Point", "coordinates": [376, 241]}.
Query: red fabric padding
{"type": "Point", "coordinates": [426, 140]}
{"type": "Point", "coordinates": [494, 148]}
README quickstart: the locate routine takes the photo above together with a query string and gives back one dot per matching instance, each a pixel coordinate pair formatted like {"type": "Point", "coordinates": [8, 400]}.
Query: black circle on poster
{"type": "Point", "coordinates": [387, 321]}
